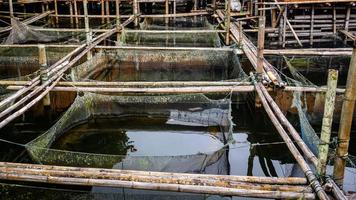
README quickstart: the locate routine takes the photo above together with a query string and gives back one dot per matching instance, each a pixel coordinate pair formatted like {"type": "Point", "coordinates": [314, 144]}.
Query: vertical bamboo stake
{"type": "Point", "coordinates": [284, 27]}
{"type": "Point", "coordinates": [11, 9]}
{"type": "Point", "coordinates": [42, 58]}
{"type": "Point", "coordinates": [117, 8]}
{"type": "Point", "coordinates": [273, 18]}
{"type": "Point", "coordinates": [86, 22]}
{"type": "Point", "coordinates": [227, 20]}
{"type": "Point", "coordinates": [260, 43]}
{"type": "Point", "coordinates": [135, 11]}
{"type": "Point", "coordinates": [102, 8]}
{"type": "Point", "coordinates": [107, 7]}
{"type": "Point", "coordinates": [347, 20]}
{"type": "Point", "coordinates": [174, 9]}
{"type": "Point", "coordinates": [76, 13]}
{"type": "Point", "coordinates": [327, 121]}
{"type": "Point", "coordinates": [71, 13]}
{"type": "Point", "coordinates": [240, 33]}
{"type": "Point", "coordinates": [312, 24]}
{"type": "Point", "coordinates": [167, 11]}
{"type": "Point", "coordinates": [347, 111]}
{"type": "Point", "coordinates": [334, 20]}
{"type": "Point", "coordinates": [56, 11]}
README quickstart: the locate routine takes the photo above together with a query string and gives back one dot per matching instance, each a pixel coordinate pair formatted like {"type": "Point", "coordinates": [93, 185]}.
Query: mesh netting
{"type": "Point", "coordinates": [308, 134]}
{"type": "Point", "coordinates": [22, 33]}
{"type": "Point", "coordinates": [180, 110]}
{"type": "Point", "coordinates": [161, 65]}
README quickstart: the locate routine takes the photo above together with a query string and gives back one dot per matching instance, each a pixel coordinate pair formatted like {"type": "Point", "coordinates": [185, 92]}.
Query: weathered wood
{"type": "Point", "coordinates": [227, 21]}
{"type": "Point", "coordinates": [327, 122]}
{"type": "Point", "coordinates": [346, 122]}
{"type": "Point", "coordinates": [42, 59]}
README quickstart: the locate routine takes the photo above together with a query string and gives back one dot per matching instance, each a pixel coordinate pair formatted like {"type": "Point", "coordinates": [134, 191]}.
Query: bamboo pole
{"type": "Point", "coordinates": [348, 108]}
{"type": "Point", "coordinates": [71, 13]}
{"type": "Point", "coordinates": [137, 83]}
{"type": "Point", "coordinates": [42, 58]}
{"type": "Point", "coordinates": [347, 19]}
{"type": "Point", "coordinates": [117, 12]}
{"type": "Point", "coordinates": [107, 7]}
{"type": "Point", "coordinates": [233, 178]}
{"type": "Point", "coordinates": [11, 9]}
{"type": "Point", "coordinates": [166, 11]}
{"type": "Point", "coordinates": [327, 122]}
{"type": "Point", "coordinates": [227, 21]}
{"type": "Point", "coordinates": [197, 13]}
{"type": "Point", "coordinates": [312, 24]}
{"type": "Point", "coordinates": [56, 11]}
{"type": "Point", "coordinates": [135, 5]}
{"type": "Point", "coordinates": [289, 143]}
{"type": "Point", "coordinates": [87, 31]}
{"type": "Point", "coordinates": [102, 8]}
{"type": "Point", "coordinates": [76, 13]}
{"type": "Point", "coordinates": [284, 27]}
{"type": "Point", "coordinates": [260, 43]}
{"type": "Point", "coordinates": [334, 20]}
{"type": "Point", "coordinates": [155, 90]}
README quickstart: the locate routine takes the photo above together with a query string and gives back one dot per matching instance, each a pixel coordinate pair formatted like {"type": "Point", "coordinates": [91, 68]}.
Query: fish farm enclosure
{"type": "Point", "coordinates": [177, 99]}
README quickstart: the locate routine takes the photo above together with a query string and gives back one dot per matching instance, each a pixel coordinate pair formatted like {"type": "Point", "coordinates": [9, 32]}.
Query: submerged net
{"type": "Point", "coordinates": [179, 110]}
{"type": "Point", "coordinates": [158, 65]}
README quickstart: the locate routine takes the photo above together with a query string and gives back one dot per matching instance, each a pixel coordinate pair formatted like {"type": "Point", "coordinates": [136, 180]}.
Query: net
{"type": "Point", "coordinates": [179, 110]}
{"type": "Point", "coordinates": [22, 33]}
{"type": "Point", "coordinates": [307, 132]}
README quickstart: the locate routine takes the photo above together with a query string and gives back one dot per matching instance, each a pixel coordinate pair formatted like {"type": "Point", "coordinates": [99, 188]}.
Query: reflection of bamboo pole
{"type": "Point", "coordinates": [327, 122]}
{"type": "Point", "coordinates": [346, 122]}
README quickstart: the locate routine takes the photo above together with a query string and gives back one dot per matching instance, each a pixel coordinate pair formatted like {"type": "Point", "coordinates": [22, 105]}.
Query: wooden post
{"type": "Point", "coordinates": [312, 24]}
{"type": "Point", "coordinates": [42, 59]}
{"type": "Point", "coordinates": [240, 33]}
{"type": "Point", "coordinates": [214, 6]}
{"type": "Point", "coordinates": [56, 11]}
{"type": "Point", "coordinates": [260, 43]}
{"type": "Point", "coordinates": [227, 20]}
{"type": "Point", "coordinates": [174, 9]}
{"type": "Point", "coordinates": [348, 107]}
{"type": "Point", "coordinates": [86, 22]}
{"type": "Point", "coordinates": [167, 11]}
{"type": "Point", "coordinates": [347, 19]}
{"type": "Point", "coordinates": [327, 121]}
{"type": "Point", "coordinates": [102, 8]}
{"type": "Point", "coordinates": [76, 13]}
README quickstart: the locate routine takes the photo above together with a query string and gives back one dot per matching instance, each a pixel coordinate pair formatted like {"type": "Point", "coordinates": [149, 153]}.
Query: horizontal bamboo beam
{"type": "Point", "coordinates": [191, 183]}
{"type": "Point", "coordinates": [237, 51]}
{"type": "Point", "coordinates": [196, 13]}
{"type": "Point", "coordinates": [163, 90]}
{"type": "Point", "coordinates": [310, 52]}
{"type": "Point", "coordinates": [130, 30]}
{"type": "Point", "coordinates": [15, 85]}
{"type": "Point", "coordinates": [306, 2]}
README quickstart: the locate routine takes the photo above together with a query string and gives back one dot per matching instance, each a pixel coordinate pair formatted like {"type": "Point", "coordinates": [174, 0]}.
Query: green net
{"type": "Point", "coordinates": [307, 132]}
{"type": "Point", "coordinates": [178, 110]}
